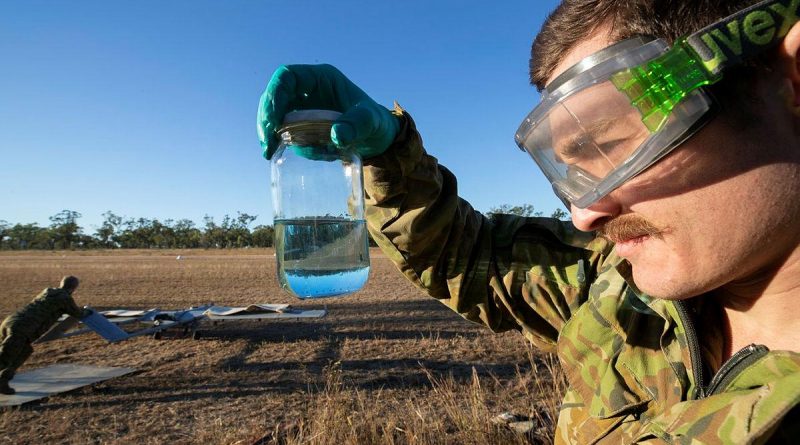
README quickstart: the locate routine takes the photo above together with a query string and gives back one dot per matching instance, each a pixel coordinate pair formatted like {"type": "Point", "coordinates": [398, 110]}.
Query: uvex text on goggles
{"type": "Point", "coordinates": [618, 111]}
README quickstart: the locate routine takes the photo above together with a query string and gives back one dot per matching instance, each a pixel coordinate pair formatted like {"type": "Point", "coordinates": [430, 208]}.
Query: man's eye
{"type": "Point", "coordinates": [610, 146]}
{"type": "Point", "coordinates": [577, 148]}
{"type": "Point", "coordinates": [616, 150]}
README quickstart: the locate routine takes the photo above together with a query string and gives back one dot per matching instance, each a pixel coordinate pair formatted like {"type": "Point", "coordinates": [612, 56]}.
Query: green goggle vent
{"type": "Point", "coordinates": [656, 87]}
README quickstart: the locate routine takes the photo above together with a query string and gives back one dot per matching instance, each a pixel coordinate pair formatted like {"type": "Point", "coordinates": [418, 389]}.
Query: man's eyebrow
{"type": "Point", "coordinates": [599, 127]}
{"type": "Point", "coordinates": [589, 133]}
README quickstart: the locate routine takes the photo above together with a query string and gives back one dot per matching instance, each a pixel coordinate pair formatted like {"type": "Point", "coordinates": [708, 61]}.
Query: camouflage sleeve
{"type": "Point", "coordinates": [507, 272]}
{"type": "Point", "coordinates": [71, 308]}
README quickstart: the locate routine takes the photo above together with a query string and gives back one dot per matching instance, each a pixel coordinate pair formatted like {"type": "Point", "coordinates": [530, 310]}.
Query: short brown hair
{"type": "Point", "coordinates": [575, 20]}
{"type": "Point", "coordinates": [70, 283]}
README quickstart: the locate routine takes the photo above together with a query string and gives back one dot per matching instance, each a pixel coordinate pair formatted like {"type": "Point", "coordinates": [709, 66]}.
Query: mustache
{"type": "Point", "coordinates": [627, 227]}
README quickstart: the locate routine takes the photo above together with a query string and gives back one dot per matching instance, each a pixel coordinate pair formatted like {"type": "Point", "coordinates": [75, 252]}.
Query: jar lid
{"type": "Point", "coordinates": [294, 117]}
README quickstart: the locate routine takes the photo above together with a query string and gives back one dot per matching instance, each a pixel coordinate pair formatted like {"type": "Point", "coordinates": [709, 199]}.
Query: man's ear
{"type": "Point", "coordinates": [789, 54]}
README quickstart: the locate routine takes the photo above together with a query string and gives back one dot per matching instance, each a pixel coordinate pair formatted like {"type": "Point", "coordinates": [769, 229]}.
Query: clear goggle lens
{"type": "Point", "coordinates": [589, 139]}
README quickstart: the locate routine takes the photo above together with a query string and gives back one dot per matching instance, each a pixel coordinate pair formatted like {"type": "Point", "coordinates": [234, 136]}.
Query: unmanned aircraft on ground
{"type": "Point", "coordinates": [108, 324]}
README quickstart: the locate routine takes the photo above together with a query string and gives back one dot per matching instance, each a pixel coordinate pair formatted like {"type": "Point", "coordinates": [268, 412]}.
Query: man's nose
{"type": "Point", "coordinates": [596, 215]}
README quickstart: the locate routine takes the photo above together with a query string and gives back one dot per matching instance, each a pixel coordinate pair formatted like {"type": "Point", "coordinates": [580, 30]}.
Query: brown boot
{"type": "Point", "coordinates": [5, 389]}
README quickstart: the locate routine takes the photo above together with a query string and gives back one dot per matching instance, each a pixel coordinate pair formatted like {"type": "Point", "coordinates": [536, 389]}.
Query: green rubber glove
{"type": "Point", "coordinates": [364, 124]}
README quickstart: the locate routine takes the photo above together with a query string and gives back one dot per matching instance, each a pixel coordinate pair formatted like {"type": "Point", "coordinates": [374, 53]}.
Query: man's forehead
{"type": "Point", "coordinates": [596, 41]}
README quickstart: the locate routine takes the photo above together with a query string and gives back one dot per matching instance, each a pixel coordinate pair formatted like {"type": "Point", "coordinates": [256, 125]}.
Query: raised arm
{"type": "Point", "coordinates": [528, 274]}
{"type": "Point", "coordinates": [506, 272]}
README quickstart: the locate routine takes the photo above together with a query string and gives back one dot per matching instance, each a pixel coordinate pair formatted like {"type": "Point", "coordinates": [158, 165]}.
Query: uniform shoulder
{"type": "Point", "coordinates": [44, 293]}
{"type": "Point", "coordinates": [55, 292]}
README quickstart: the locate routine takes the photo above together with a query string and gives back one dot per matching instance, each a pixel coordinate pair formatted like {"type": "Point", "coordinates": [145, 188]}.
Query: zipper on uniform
{"type": "Point", "coordinates": [694, 349]}
{"type": "Point", "coordinates": [731, 368]}
{"type": "Point", "coordinates": [727, 372]}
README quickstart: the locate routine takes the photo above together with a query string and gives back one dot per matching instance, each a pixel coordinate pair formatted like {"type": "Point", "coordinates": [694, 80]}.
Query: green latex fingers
{"type": "Point", "coordinates": [368, 127]}
{"type": "Point", "coordinates": [371, 127]}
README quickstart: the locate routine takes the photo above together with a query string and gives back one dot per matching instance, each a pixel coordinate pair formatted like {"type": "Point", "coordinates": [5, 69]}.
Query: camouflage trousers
{"type": "Point", "coordinates": [14, 350]}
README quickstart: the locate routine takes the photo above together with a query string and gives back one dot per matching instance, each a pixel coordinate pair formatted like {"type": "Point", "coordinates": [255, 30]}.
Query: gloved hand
{"type": "Point", "coordinates": [87, 311]}
{"type": "Point", "coordinates": [364, 124]}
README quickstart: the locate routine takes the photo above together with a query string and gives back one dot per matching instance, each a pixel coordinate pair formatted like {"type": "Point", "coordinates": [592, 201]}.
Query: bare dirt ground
{"type": "Point", "coordinates": [385, 347]}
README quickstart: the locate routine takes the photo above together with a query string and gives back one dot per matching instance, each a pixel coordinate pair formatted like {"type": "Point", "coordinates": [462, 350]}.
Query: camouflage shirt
{"type": "Point", "coordinates": [39, 315]}
{"type": "Point", "coordinates": [637, 372]}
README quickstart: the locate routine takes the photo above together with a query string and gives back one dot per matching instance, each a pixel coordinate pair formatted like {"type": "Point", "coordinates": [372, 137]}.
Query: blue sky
{"type": "Point", "coordinates": [147, 108]}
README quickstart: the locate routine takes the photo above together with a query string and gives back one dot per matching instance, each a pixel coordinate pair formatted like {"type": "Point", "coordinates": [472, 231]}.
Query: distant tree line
{"type": "Point", "coordinates": [526, 210]}
{"type": "Point", "coordinates": [118, 232]}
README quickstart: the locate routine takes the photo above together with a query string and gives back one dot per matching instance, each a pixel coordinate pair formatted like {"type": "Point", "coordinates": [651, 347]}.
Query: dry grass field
{"type": "Point", "coordinates": [386, 366]}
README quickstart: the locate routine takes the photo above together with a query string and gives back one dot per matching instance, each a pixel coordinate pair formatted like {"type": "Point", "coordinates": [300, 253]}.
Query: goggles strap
{"type": "Point", "coordinates": [744, 34]}
{"type": "Point", "coordinates": [658, 86]}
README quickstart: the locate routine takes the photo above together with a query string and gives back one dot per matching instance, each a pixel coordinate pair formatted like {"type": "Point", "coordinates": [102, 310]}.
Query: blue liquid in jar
{"type": "Point", "coordinates": [321, 257]}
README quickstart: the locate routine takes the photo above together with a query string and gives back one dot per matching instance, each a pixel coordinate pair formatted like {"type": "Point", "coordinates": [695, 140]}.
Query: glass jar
{"type": "Point", "coordinates": [321, 242]}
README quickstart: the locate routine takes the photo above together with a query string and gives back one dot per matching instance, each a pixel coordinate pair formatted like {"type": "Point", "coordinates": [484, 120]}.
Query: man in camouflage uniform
{"type": "Point", "coordinates": [671, 300]}
{"type": "Point", "coordinates": [23, 327]}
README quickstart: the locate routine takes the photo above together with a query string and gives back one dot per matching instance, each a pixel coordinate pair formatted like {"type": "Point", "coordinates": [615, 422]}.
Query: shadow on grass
{"type": "Point", "coordinates": [397, 374]}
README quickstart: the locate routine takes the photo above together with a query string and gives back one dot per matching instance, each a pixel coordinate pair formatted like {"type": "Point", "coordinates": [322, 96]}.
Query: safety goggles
{"type": "Point", "coordinates": [620, 110]}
